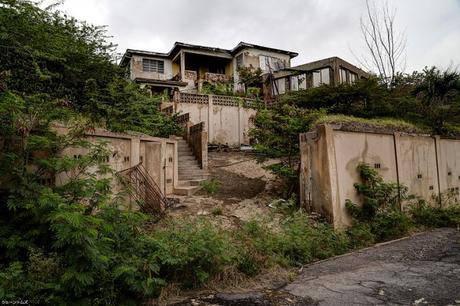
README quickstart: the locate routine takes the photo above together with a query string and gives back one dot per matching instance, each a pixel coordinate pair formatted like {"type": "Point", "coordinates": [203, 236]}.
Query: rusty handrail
{"type": "Point", "coordinates": [145, 190]}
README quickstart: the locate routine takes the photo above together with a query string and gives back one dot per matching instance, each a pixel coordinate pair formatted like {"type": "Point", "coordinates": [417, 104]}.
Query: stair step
{"type": "Point", "coordinates": [190, 182]}
{"type": "Point", "coordinates": [188, 163]}
{"type": "Point", "coordinates": [188, 176]}
{"type": "Point", "coordinates": [193, 168]}
{"type": "Point", "coordinates": [186, 171]}
{"type": "Point", "coordinates": [186, 190]}
{"type": "Point", "coordinates": [185, 158]}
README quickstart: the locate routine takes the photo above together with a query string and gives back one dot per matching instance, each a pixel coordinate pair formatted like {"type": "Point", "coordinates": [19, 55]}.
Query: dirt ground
{"type": "Point", "coordinates": [245, 192]}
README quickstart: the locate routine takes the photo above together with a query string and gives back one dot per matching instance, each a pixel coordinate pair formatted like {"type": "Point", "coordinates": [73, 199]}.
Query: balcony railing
{"type": "Point", "coordinates": [217, 77]}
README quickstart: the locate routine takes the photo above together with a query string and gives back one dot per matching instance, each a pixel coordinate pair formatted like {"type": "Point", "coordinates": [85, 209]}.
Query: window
{"type": "Point", "coordinates": [343, 76]}
{"type": "Point", "coordinates": [353, 77]}
{"type": "Point", "coordinates": [281, 86]}
{"type": "Point", "coordinates": [302, 81]}
{"type": "Point", "coordinates": [239, 61]}
{"type": "Point", "coordinates": [321, 77]}
{"type": "Point", "coordinates": [295, 83]}
{"type": "Point", "coordinates": [325, 76]}
{"type": "Point", "coordinates": [316, 78]}
{"type": "Point", "coordinates": [268, 63]}
{"type": "Point", "coordinates": [151, 65]}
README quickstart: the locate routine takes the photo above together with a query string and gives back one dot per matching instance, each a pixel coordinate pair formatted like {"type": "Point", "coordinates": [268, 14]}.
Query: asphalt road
{"type": "Point", "coordinates": [421, 270]}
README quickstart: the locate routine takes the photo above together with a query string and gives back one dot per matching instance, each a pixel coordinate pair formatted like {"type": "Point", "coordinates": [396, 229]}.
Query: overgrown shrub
{"type": "Point", "coordinates": [424, 214]}
{"type": "Point", "coordinates": [380, 205]}
{"type": "Point", "coordinates": [390, 224]}
{"type": "Point", "coordinates": [211, 186]}
{"type": "Point", "coordinates": [217, 211]}
{"type": "Point", "coordinates": [360, 235]}
{"type": "Point", "coordinates": [190, 252]}
{"type": "Point", "coordinates": [298, 242]}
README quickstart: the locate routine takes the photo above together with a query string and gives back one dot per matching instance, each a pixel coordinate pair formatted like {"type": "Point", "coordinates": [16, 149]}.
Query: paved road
{"type": "Point", "coordinates": [423, 270]}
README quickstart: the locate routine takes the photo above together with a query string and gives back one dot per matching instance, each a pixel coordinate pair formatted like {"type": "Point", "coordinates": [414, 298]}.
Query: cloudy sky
{"type": "Point", "coordinates": [314, 28]}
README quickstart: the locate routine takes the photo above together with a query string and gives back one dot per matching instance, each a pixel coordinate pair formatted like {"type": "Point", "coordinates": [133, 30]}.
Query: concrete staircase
{"type": "Point", "coordinates": [190, 173]}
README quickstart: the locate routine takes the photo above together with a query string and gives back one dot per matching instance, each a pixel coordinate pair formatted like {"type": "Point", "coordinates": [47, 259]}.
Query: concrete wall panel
{"type": "Point", "coordinates": [449, 167]}
{"type": "Point", "coordinates": [417, 165]}
{"type": "Point", "coordinates": [225, 125]}
{"type": "Point", "coordinates": [352, 149]}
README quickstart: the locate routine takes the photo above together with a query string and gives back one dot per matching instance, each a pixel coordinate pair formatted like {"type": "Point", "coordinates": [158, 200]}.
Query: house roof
{"type": "Point", "coordinates": [243, 45]}
{"type": "Point", "coordinates": [180, 45]}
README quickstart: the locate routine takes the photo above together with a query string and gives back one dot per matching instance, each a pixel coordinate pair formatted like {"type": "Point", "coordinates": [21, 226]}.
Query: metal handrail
{"type": "Point", "coordinates": [145, 190]}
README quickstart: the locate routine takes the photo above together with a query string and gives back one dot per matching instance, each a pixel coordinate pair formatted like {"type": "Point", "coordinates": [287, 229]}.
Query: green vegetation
{"type": "Point", "coordinates": [380, 216]}
{"type": "Point", "coordinates": [225, 89]}
{"type": "Point", "coordinates": [380, 209]}
{"type": "Point", "coordinates": [71, 244]}
{"type": "Point", "coordinates": [390, 124]}
{"type": "Point", "coordinates": [423, 102]}
{"type": "Point", "coordinates": [430, 98]}
{"type": "Point", "coordinates": [277, 133]}
{"type": "Point", "coordinates": [250, 77]}
{"type": "Point", "coordinates": [217, 211]}
{"type": "Point", "coordinates": [49, 56]}
{"type": "Point", "coordinates": [211, 186]}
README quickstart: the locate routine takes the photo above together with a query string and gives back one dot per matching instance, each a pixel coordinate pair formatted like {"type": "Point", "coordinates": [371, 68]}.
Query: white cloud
{"type": "Point", "coordinates": [315, 29]}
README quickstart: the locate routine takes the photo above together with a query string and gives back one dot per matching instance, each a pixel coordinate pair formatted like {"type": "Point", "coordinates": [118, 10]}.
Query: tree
{"type": "Point", "coordinates": [250, 77]}
{"type": "Point", "coordinates": [44, 51]}
{"type": "Point", "coordinates": [386, 47]}
{"type": "Point", "coordinates": [364, 98]}
{"type": "Point", "coordinates": [438, 94]}
{"type": "Point", "coordinates": [277, 134]}
{"type": "Point", "coordinates": [68, 243]}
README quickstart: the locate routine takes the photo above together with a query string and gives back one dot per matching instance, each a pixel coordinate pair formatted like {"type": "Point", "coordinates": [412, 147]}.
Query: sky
{"type": "Point", "coordinates": [315, 29]}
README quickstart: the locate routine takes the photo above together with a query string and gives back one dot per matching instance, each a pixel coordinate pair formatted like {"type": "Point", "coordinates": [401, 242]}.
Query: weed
{"type": "Point", "coordinates": [217, 211]}
{"type": "Point", "coordinates": [191, 252]}
{"type": "Point", "coordinates": [211, 186]}
{"type": "Point", "coordinates": [426, 215]}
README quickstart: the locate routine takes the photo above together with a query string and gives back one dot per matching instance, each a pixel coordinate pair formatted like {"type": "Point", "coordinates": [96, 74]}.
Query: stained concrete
{"type": "Point", "coordinates": [330, 154]}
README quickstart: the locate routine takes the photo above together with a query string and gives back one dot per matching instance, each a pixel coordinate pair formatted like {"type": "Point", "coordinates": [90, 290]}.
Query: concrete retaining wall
{"type": "Point", "coordinates": [158, 155]}
{"type": "Point", "coordinates": [227, 119]}
{"type": "Point", "coordinates": [428, 166]}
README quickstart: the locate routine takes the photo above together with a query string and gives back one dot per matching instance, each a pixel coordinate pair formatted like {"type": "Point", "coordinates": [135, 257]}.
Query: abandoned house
{"type": "Point", "coordinates": [227, 119]}
{"type": "Point", "coordinates": [187, 67]}
{"type": "Point", "coordinates": [329, 71]}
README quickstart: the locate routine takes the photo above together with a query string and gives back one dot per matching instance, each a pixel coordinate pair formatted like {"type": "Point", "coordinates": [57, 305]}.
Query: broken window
{"type": "Point", "coordinates": [268, 63]}
{"type": "Point", "coordinates": [280, 87]}
{"type": "Point", "coordinates": [239, 61]}
{"type": "Point", "coordinates": [302, 79]}
{"type": "Point", "coordinates": [151, 65]}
